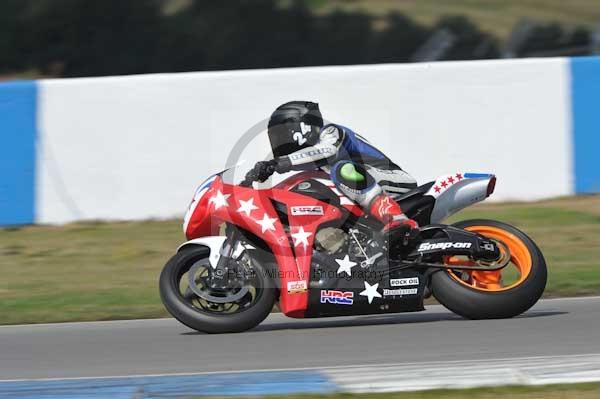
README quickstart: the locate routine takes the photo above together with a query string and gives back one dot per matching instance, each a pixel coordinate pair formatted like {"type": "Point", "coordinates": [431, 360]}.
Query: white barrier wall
{"type": "Point", "coordinates": [136, 147]}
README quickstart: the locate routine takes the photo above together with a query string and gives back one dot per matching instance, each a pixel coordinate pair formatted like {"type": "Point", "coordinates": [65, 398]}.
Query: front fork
{"type": "Point", "coordinates": [221, 276]}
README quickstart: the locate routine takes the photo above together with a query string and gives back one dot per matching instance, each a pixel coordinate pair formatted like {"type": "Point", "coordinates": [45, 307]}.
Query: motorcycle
{"type": "Point", "coordinates": [304, 245]}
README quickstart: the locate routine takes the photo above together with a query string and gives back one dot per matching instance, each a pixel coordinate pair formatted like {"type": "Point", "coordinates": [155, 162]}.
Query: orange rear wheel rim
{"type": "Point", "coordinates": [491, 281]}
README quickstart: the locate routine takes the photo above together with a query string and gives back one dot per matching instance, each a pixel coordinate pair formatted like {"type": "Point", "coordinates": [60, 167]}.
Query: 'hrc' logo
{"type": "Point", "coordinates": [337, 297]}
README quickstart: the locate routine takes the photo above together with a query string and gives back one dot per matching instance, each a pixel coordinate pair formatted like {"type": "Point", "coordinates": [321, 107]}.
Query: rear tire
{"type": "Point", "coordinates": [475, 303]}
{"type": "Point", "coordinates": [204, 321]}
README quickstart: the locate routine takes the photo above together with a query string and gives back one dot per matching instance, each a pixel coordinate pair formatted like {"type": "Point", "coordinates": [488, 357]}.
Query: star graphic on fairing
{"type": "Point", "coordinates": [345, 265]}
{"type": "Point", "coordinates": [219, 199]}
{"type": "Point", "coordinates": [247, 206]}
{"type": "Point", "coordinates": [266, 223]}
{"type": "Point", "coordinates": [301, 237]}
{"type": "Point", "coordinates": [371, 292]}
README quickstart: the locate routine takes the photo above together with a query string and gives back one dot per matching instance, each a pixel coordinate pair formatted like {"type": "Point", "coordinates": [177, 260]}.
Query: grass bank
{"type": "Point", "coordinates": [568, 391]}
{"type": "Point", "coordinates": [497, 17]}
{"type": "Point", "coordinates": [103, 271]}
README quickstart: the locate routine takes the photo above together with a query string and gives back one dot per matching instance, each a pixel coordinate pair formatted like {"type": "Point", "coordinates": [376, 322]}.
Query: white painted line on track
{"type": "Point", "coordinates": [468, 374]}
{"type": "Point", "coordinates": [590, 361]}
{"type": "Point", "coordinates": [572, 298]}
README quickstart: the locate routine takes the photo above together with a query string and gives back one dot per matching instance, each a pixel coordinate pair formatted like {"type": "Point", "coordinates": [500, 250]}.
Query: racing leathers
{"type": "Point", "coordinates": [358, 169]}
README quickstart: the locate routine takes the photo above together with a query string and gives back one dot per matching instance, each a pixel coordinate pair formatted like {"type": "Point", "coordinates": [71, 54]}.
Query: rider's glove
{"type": "Point", "coordinates": [263, 170]}
{"type": "Point", "coordinates": [283, 164]}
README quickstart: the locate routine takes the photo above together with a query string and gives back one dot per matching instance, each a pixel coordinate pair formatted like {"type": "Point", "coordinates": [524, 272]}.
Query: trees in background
{"type": "Point", "coordinates": [14, 51]}
{"type": "Point", "coordinates": [108, 37]}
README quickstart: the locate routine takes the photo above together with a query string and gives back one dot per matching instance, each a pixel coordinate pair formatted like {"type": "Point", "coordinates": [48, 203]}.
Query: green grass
{"type": "Point", "coordinates": [92, 271]}
{"type": "Point", "coordinates": [102, 271]}
{"type": "Point", "coordinates": [566, 391]}
{"type": "Point", "coordinates": [494, 16]}
{"type": "Point", "coordinates": [497, 17]}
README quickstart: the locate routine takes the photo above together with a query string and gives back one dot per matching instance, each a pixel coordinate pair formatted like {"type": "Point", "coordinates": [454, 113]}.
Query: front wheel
{"type": "Point", "coordinates": [239, 302]}
{"type": "Point", "coordinates": [494, 294]}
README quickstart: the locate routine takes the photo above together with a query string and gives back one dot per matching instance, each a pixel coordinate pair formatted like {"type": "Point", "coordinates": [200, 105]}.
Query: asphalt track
{"type": "Point", "coordinates": [556, 327]}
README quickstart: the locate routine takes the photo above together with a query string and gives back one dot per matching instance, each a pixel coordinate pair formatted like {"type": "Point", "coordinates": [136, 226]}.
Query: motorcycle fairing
{"type": "Point", "coordinates": [435, 201]}
{"type": "Point", "coordinates": [223, 203]}
{"type": "Point", "coordinates": [457, 191]}
{"type": "Point", "coordinates": [334, 294]}
{"type": "Point", "coordinates": [321, 177]}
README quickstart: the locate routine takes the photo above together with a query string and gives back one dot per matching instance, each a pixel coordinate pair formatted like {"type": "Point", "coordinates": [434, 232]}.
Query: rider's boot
{"type": "Point", "coordinates": [401, 231]}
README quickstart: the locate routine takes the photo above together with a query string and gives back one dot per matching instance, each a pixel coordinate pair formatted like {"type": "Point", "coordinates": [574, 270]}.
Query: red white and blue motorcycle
{"type": "Point", "coordinates": [305, 246]}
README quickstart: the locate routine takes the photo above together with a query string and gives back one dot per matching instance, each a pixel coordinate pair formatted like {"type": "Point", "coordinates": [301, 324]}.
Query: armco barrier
{"type": "Point", "coordinates": [135, 147]}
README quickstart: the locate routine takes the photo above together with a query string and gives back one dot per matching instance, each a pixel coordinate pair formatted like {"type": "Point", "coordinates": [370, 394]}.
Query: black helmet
{"type": "Point", "coordinates": [294, 125]}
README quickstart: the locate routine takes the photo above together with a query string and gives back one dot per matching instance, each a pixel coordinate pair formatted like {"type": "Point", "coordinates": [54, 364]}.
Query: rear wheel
{"type": "Point", "coordinates": [494, 294]}
{"type": "Point", "coordinates": [188, 292]}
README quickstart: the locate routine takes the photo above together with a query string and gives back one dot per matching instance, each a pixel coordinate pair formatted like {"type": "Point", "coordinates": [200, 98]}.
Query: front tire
{"type": "Point", "coordinates": [203, 320]}
{"type": "Point", "coordinates": [483, 295]}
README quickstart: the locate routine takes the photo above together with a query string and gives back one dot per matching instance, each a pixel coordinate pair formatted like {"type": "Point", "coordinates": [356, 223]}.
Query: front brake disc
{"type": "Point", "coordinates": [205, 293]}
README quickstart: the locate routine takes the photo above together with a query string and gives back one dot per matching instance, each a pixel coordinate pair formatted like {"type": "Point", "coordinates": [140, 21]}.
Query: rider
{"type": "Point", "coordinates": [362, 172]}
